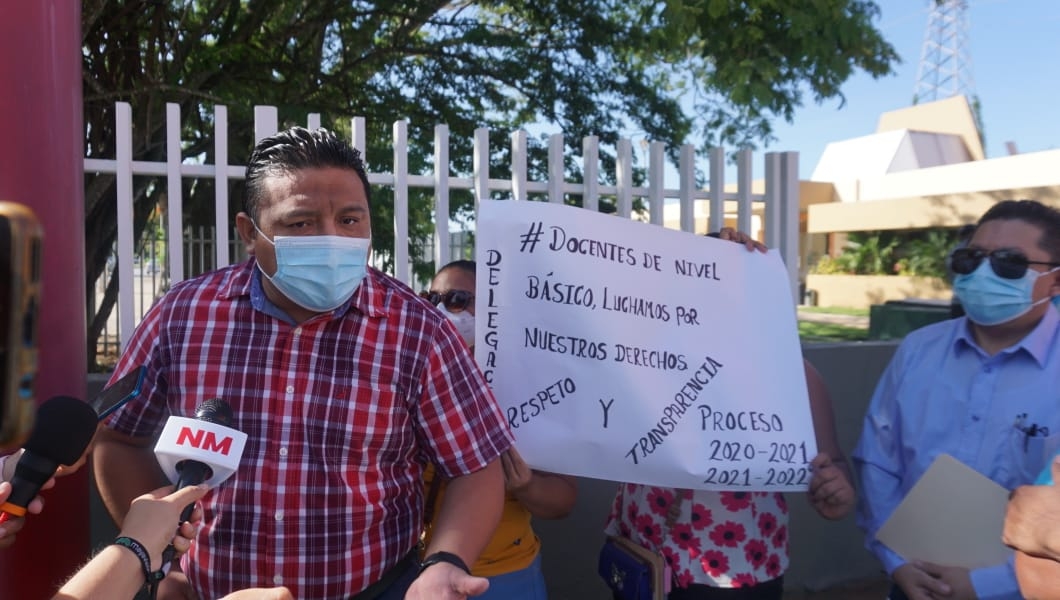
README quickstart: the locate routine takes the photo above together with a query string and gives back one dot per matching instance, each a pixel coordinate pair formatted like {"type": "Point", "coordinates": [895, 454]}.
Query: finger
{"type": "Point", "coordinates": [189, 494]}
{"type": "Point", "coordinates": [470, 585]}
{"type": "Point", "coordinates": [36, 505]}
{"type": "Point", "coordinates": [506, 467]}
{"type": "Point", "coordinates": [5, 491]}
{"type": "Point", "coordinates": [1056, 470]}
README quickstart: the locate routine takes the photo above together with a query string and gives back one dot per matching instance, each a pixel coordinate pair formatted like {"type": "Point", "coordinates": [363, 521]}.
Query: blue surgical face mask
{"type": "Point", "coordinates": [318, 272]}
{"type": "Point", "coordinates": [992, 300]}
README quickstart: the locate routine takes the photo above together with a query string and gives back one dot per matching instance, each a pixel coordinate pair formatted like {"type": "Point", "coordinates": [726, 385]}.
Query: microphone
{"type": "Point", "coordinates": [203, 449]}
{"type": "Point", "coordinates": [64, 427]}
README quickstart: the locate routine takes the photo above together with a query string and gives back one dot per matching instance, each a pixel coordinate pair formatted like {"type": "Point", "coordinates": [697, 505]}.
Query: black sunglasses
{"type": "Point", "coordinates": [453, 299]}
{"type": "Point", "coordinates": [1008, 264]}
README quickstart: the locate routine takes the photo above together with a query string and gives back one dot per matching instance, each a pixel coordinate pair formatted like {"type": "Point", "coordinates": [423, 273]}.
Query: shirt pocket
{"type": "Point", "coordinates": [1029, 454]}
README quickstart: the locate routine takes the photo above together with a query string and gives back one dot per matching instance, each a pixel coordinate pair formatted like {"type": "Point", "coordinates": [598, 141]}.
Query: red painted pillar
{"type": "Point", "coordinates": [41, 164]}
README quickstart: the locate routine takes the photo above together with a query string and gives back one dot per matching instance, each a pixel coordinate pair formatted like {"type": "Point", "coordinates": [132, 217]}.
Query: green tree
{"type": "Point", "coordinates": [588, 67]}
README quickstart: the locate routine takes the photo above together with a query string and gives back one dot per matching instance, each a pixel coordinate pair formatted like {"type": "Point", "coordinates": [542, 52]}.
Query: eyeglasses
{"type": "Point", "coordinates": [1008, 264]}
{"type": "Point", "coordinates": [454, 300]}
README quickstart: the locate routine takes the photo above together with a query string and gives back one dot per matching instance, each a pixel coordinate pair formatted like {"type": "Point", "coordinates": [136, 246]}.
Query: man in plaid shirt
{"type": "Point", "coordinates": [346, 384]}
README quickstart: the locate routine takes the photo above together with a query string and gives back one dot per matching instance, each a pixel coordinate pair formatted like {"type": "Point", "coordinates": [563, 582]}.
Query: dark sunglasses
{"type": "Point", "coordinates": [1008, 264]}
{"type": "Point", "coordinates": [453, 299]}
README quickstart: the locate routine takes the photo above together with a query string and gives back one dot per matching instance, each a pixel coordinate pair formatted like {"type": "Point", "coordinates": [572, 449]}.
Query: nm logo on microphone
{"type": "Point", "coordinates": [204, 440]}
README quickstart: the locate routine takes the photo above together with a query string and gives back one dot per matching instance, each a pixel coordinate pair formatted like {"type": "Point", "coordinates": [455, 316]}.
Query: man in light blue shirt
{"type": "Point", "coordinates": [984, 388]}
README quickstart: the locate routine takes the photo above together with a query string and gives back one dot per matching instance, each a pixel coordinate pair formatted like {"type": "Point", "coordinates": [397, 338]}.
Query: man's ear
{"type": "Point", "coordinates": [248, 233]}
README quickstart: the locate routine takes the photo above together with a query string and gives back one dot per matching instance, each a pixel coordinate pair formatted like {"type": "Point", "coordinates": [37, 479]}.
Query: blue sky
{"type": "Point", "coordinates": [1014, 46]}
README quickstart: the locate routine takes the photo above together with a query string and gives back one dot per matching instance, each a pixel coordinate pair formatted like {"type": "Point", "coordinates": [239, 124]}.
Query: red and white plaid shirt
{"type": "Point", "coordinates": [341, 414]}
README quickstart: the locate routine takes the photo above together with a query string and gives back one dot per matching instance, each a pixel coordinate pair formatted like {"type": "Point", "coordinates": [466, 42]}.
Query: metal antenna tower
{"type": "Point", "coordinates": [945, 68]}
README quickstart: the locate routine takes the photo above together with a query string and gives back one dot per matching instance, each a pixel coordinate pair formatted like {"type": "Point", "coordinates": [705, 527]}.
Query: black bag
{"type": "Point", "coordinates": [631, 571]}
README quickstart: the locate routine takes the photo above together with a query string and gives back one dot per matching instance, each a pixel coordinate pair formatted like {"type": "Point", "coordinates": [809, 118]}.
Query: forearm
{"type": "Point", "coordinates": [549, 495]}
{"type": "Point", "coordinates": [469, 513]}
{"type": "Point", "coordinates": [114, 573]}
{"type": "Point", "coordinates": [125, 468]}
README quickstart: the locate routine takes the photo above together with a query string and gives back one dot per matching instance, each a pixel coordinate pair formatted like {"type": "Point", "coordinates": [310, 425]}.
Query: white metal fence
{"type": "Point", "coordinates": [781, 201]}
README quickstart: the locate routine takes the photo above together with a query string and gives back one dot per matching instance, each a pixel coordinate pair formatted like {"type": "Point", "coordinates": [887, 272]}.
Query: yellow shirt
{"type": "Point", "coordinates": [514, 544]}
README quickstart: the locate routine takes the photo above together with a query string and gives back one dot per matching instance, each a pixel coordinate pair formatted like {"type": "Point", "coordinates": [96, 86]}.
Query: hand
{"type": "Point", "coordinates": [276, 593]}
{"type": "Point", "coordinates": [730, 234]}
{"type": "Point", "coordinates": [958, 579]}
{"type": "Point", "coordinates": [918, 584]}
{"type": "Point", "coordinates": [831, 493]}
{"type": "Point", "coordinates": [444, 581]}
{"type": "Point", "coordinates": [14, 525]}
{"type": "Point", "coordinates": [517, 474]}
{"type": "Point", "coordinates": [1032, 519]}
{"type": "Point", "coordinates": [176, 586]}
{"type": "Point", "coordinates": [1037, 577]}
{"type": "Point", "coordinates": [153, 520]}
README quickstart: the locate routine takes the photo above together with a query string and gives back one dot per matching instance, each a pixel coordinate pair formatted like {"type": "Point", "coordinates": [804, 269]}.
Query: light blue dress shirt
{"type": "Point", "coordinates": [942, 393]}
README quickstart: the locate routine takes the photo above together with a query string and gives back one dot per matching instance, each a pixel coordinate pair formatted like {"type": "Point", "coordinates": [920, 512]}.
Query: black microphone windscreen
{"type": "Point", "coordinates": [64, 427]}
{"type": "Point", "coordinates": [215, 411]}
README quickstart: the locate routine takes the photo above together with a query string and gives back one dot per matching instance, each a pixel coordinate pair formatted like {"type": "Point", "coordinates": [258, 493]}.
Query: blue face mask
{"type": "Point", "coordinates": [992, 300]}
{"type": "Point", "coordinates": [318, 272]}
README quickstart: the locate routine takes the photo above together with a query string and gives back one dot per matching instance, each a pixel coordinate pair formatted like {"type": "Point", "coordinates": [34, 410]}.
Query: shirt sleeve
{"type": "Point", "coordinates": [143, 416]}
{"type": "Point", "coordinates": [997, 582]}
{"type": "Point", "coordinates": [878, 463]}
{"type": "Point", "coordinates": [462, 425]}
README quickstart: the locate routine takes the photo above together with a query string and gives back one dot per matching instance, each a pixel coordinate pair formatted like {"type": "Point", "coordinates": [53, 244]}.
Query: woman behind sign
{"type": "Point", "coordinates": [512, 559]}
{"type": "Point", "coordinates": [729, 545]}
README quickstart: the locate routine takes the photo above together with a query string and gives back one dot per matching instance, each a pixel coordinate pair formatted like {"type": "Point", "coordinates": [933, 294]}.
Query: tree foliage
{"type": "Point", "coordinates": [589, 67]}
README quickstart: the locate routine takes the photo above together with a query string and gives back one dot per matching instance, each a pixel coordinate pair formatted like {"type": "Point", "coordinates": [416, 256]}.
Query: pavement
{"type": "Point", "coordinates": [833, 318]}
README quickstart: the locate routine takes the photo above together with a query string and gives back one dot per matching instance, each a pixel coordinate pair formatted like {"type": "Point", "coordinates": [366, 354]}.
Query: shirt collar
{"type": "Point", "coordinates": [1037, 343]}
{"type": "Point", "coordinates": [371, 297]}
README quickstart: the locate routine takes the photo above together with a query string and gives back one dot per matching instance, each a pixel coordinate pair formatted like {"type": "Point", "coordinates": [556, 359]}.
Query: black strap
{"type": "Point", "coordinates": [388, 579]}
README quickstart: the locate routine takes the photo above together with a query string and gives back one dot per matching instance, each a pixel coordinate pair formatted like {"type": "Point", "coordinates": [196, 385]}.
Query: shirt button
{"type": "Point", "coordinates": [290, 389]}
{"type": "Point", "coordinates": [298, 331]}
{"type": "Point", "coordinates": [277, 579]}
{"type": "Point", "coordinates": [975, 418]}
{"type": "Point", "coordinates": [279, 516]}
{"type": "Point", "coordinates": [283, 451]}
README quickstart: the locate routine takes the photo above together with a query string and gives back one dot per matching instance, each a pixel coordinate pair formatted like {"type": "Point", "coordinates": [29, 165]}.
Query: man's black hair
{"type": "Point", "coordinates": [295, 149]}
{"type": "Point", "coordinates": [1035, 213]}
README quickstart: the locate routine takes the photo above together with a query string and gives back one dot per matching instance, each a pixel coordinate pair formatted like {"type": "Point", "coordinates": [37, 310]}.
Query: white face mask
{"type": "Point", "coordinates": [464, 322]}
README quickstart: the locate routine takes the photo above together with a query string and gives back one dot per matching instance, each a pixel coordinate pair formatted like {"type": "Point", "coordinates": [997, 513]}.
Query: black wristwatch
{"type": "Point", "coordinates": [444, 557]}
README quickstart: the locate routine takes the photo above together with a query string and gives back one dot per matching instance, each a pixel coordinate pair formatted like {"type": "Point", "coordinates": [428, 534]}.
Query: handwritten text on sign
{"type": "Point", "coordinates": [631, 352]}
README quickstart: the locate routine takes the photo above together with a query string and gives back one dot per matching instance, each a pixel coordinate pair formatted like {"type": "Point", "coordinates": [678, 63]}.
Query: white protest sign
{"type": "Point", "coordinates": [630, 352]}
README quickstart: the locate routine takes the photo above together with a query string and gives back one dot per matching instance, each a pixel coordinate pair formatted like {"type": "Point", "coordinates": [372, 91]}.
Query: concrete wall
{"type": "Point", "coordinates": [823, 553]}
{"type": "Point", "coordinates": [862, 291]}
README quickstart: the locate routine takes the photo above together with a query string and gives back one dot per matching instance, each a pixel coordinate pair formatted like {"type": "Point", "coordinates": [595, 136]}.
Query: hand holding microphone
{"type": "Point", "coordinates": [63, 429]}
{"type": "Point", "coordinates": [200, 450]}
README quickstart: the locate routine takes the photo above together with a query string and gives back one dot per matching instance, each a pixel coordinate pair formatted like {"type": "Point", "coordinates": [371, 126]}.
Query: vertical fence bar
{"type": "Point", "coordinates": [402, 269]}
{"type": "Point", "coordinates": [591, 173]}
{"type": "Point", "coordinates": [688, 187]}
{"type": "Point", "coordinates": [481, 174]}
{"type": "Point", "coordinates": [266, 122]}
{"type": "Point", "coordinates": [656, 182]}
{"type": "Point", "coordinates": [556, 171]}
{"type": "Point", "coordinates": [717, 190]}
{"type": "Point", "coordinates": [743, 191]}
{"type": "Point", "coordinates": [519, 160]}
{"type": "Point", "coordinates": [789, 218]}
{"type": "Point", "coordinates": [220, 174]}
{"type": "Point", "coordinates": [313, 121]}
{"type": "Point", "coordinates": [773, 200]}
{"type": "Point", "coordinates": [359, 133]}
{"type": "Point", "coordinates": [124, 181]}
{"type": "Point", "coordinates": [441, 196]}
{"type": "Point", "coordinates": [174, 196]}
{"type": "Point", "coordinates": [624, 178]}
